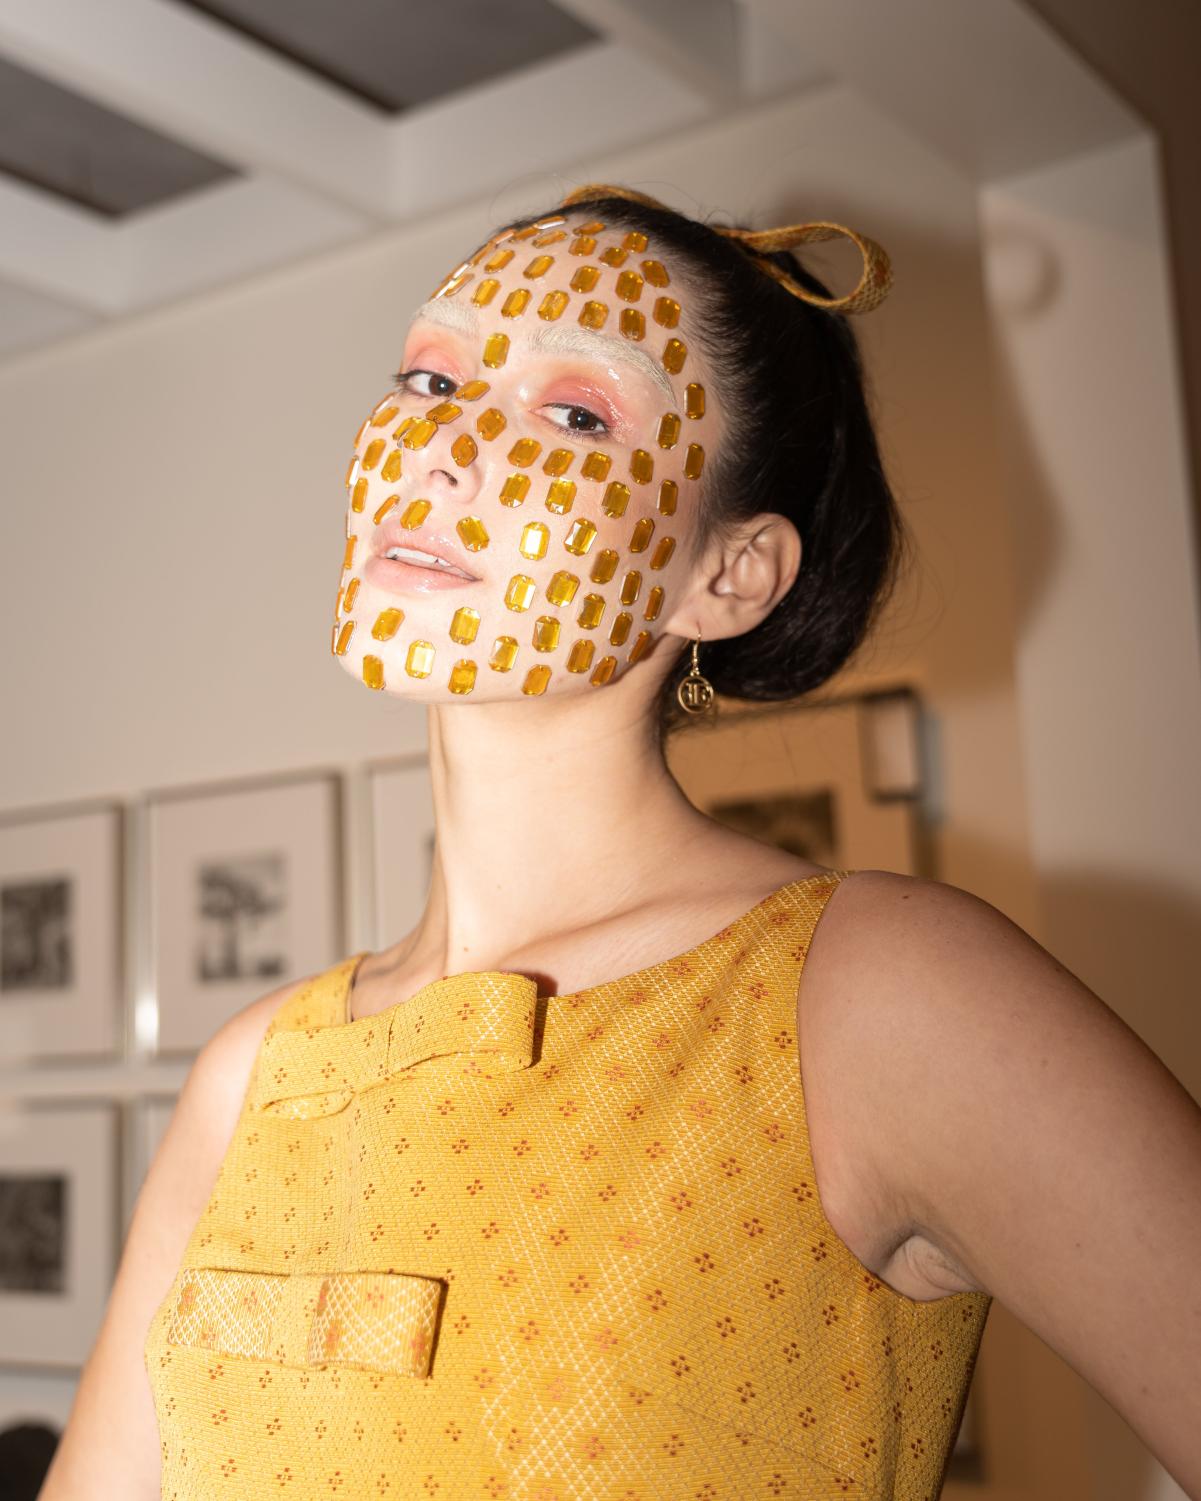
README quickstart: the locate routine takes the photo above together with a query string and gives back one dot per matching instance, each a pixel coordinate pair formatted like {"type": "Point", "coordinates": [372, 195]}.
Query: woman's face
{"type": "Point", "coordinates": [546, 438]}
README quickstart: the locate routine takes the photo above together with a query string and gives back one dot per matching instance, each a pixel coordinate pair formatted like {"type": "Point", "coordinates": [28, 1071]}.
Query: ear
{"type": "Point", "coordinates": [741, 577]}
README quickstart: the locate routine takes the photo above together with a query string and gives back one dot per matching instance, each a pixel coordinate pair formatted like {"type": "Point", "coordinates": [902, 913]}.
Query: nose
{"type": "Point", "coordinates": [448, 465]}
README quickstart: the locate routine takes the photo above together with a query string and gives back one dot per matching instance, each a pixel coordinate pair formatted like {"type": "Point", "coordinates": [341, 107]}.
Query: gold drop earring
{"type": "Point", "coordinates": [694, 692]}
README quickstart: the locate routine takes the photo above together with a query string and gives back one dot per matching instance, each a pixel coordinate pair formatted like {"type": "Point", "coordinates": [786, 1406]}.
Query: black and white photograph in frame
{"type": "Point", "coordinates": [59, 1233]}
{"type": "Point", "coordinates": [402, 845]}
{"type": "Point", "coordinates": [60, 933]}
{"type": "Point", "coordinates": [245, 887]}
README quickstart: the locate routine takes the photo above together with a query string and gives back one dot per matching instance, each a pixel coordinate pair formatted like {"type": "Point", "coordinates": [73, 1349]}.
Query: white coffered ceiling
{"type": "Point", "coordinates": [150, 149]}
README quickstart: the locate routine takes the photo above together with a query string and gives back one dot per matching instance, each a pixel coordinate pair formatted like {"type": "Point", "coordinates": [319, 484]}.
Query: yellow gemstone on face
{"type": "Point", "coordinates": [560, 495]}
{"type": "Point", "coordinates": [603, 672]}
{"type": "Point", "coordinates": [635, 240]}
{"type": "Point", "coordinates": [617, 497]}
{"type": "Point", "coordinates": [375, 451]}
{"type": "Point", "coordinates": [485, 292]}
{"type": "Point", "coordinates": [596, 466]}
{"type": "Point", "coordinates": [382, 510]}
{"type": "Point", "coordinates": [604, 567]}
{"type": "Point", "coordinates": [579, 658]}
{"type": "Point", "coordinates": [675, 352]}
{"type": "Point", "coordinates": [381, 417]}
{"type": "Point", "coordinates": [694, 400]}
{"type": "Point", "coordinates": [419, 662]}
{"type": "Point", "coordinates": [536, 679]}
{"type": "Point", "coordinates": [654, 602]}
{"type": "Point", "coordinates": [414, 514]}
{"type": "Point", "coordinates": [358, 438]}
{"type": "Point", "coordinates": [640, 647]}
{"type": "Point", "coordinates": [558, 461]}
{"type": "Point", "coordinates": [499, 261]}
{"type": "Point", "coordinates": [642, 467]}
{"type": "Point", "coordinates": [515, 489]}
{"type": "Point", "coordinates": [669, 430]}
{"type": "Point", "coordinates": [552, 237]}
{"type": "Point", "coordinates": [526, 232]}
{"type": "Point", "coordinates": [614, 256]}
{"type": "Point", "coordinates": [585, 279]}
{"type": "Point", "coordinates": [552, 305]}
{"type": "Point", "coordinates": [582, 245]}
{"type": "Point", "coordinates": [420, 433]}
{"type": "Point", "coordinates": [669, 493]}
{"type": "Point", "coordinates": [593, 227]}
{"type": "Point", "coordinates": [504, 653]}
{"type": "Point", "coordinates": [496, 350]}
{"type": "Point", "coordinates": [445, 411]}
{"type": "Point", "coordinates": [473, 390]}
{"type": "Point", "coordinates": [359, 496]}
{"type": "Point", "coordinates": [520, 592]}
{"type": "Point", "coordinates": [581, 536]}
{"type": "Point", "coordinates": [348, 553]}
{"type": "Point", "coordinates": [591, 611]}
{"type": "Point", "coordinates": [390, 472]}
{"type": "Point", "coordinates": [399, 431]}
{"type": "Point", "coordinates": [515, 303]}
{"type": "Point", "coordinates": [539, 266]}
{"type": "Point", "coordinates": [463, 450]}
{"type": "Point", "coordinates": [490, 424]}
{"type": "Point", "coordinates": [546, 633]}
{"type": "Point", "coordinates": [663, 551]}
{"type": "Point", "coordinates": [629, 286]}
{"type": "Point", "coordinates": [373, 671]}
{"type": "Point", "coordinates": [524, 452]}
{"type": "Point", "coordinates": [642, 533]}
{"type": "Point", "coordinates": [694, 461]}
{"type": "Point", "coordinates": [344, 636]}
{"type": "Point", "coordinates": [352, 471]}
{"type": "Point", "coordinates": [656, 273]}
{"type": "Point", "coordinates": [620, 629]}
{"type": "Point", "coordinates": [473, 532]}
{"type": "Point", "coordinates": [386, 624]}
{"type": "Point", "coordinates": [535, 536]}
{"type": "Point", "coordinates": [630, 585]}
{"type": "Point", "coordinates": [561, 589]}
{"type": "Point", "coordinates": [633, 324]}
{"type": "Point", "coordinates": [348, 596]}
{"type": "Point", "coordinates": [667, 312]}
{"type": "Point", "coordinates": [593, 314]}
{"type": "Point", "coordinates": [464, 624]}
{"type": "Point", "coordinates": [462, 676]}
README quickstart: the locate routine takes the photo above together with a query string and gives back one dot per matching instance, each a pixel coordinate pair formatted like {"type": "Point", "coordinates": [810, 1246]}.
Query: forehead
{"type": "Point", "coordinates": [596, 290]}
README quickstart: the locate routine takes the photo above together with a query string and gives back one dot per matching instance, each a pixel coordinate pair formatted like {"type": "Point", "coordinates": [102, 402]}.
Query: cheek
{"type": "Point", "coordinates": [575, 540]}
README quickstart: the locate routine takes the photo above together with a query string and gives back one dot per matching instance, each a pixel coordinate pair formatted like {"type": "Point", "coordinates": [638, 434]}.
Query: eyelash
{"type": "Point", "coordinates": [403, 381]}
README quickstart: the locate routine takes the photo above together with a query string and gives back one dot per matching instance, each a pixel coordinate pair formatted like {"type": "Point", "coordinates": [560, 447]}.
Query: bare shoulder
{"type": "Point", "coordinates": [111, 1438]}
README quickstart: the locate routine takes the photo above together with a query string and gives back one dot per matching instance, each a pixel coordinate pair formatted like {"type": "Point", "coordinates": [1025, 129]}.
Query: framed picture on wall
{"type": "Point", "coordinates": [245, 886]}
{"type": "Point", "coordinates": [402, 844]}
{"type": "Point", "coordinates": [59, 1235]}
{"type": "Point", "coordinates": [60, 933]}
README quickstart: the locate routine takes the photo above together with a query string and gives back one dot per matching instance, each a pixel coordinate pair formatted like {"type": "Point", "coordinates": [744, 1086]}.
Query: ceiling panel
{"type": "Point", "coordinates": [67, 145]}
{"type": "Point", "coordinates": [394, 54]}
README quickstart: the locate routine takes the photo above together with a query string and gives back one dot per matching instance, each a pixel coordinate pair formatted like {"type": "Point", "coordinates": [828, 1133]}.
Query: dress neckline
{"type": "Point", "coordinates": [432, 986]}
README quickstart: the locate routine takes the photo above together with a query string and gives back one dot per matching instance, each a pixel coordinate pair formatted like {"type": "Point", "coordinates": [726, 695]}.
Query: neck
{"type": "Point", "coordinates": [550, 816]}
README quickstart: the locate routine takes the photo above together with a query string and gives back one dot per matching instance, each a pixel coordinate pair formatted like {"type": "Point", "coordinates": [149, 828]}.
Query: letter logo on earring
{"type": "Point", "coordinates": [694, 692]}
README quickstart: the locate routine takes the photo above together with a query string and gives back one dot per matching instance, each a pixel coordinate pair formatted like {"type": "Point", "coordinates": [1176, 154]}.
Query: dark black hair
{"type": "Point", "coordinates": [799, 442]}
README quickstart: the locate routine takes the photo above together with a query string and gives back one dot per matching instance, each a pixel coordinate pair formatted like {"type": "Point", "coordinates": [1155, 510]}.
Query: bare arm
{"type": "Point", "coordinates": [1028, 1133]}
{"type": "Point", "coordinates": [110, 1445]}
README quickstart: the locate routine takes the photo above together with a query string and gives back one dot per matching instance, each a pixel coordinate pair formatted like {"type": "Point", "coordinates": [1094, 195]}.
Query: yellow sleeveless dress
{"type": "Point", "coordinates": [487, 1243]}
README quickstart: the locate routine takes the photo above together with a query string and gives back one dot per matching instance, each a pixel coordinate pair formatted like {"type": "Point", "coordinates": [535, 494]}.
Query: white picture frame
{"type": "Point", "coordinates": [59, 1238]}
{"type": "Point", "coordinates": [401, 808]}
{"type": "Point", "coordinates": [61, 906]}
{"type": "Point", "coordinates": [245, 885]}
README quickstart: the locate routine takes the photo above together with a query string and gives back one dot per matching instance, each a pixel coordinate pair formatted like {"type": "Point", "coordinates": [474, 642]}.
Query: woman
{"type": "Point", "coordinates": [532, 1203]}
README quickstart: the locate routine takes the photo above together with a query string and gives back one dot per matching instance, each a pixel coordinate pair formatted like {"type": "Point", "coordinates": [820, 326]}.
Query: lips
{"type": "Point", "coordinates": [390, 534]}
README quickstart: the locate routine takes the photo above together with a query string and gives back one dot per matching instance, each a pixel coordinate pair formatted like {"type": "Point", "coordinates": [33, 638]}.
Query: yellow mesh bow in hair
{"type": "Point", "coordinates": [869, 293]}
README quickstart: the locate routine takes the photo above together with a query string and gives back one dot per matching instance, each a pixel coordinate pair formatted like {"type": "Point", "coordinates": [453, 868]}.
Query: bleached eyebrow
{"type": "Point", "coordinates": [553, 338]}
